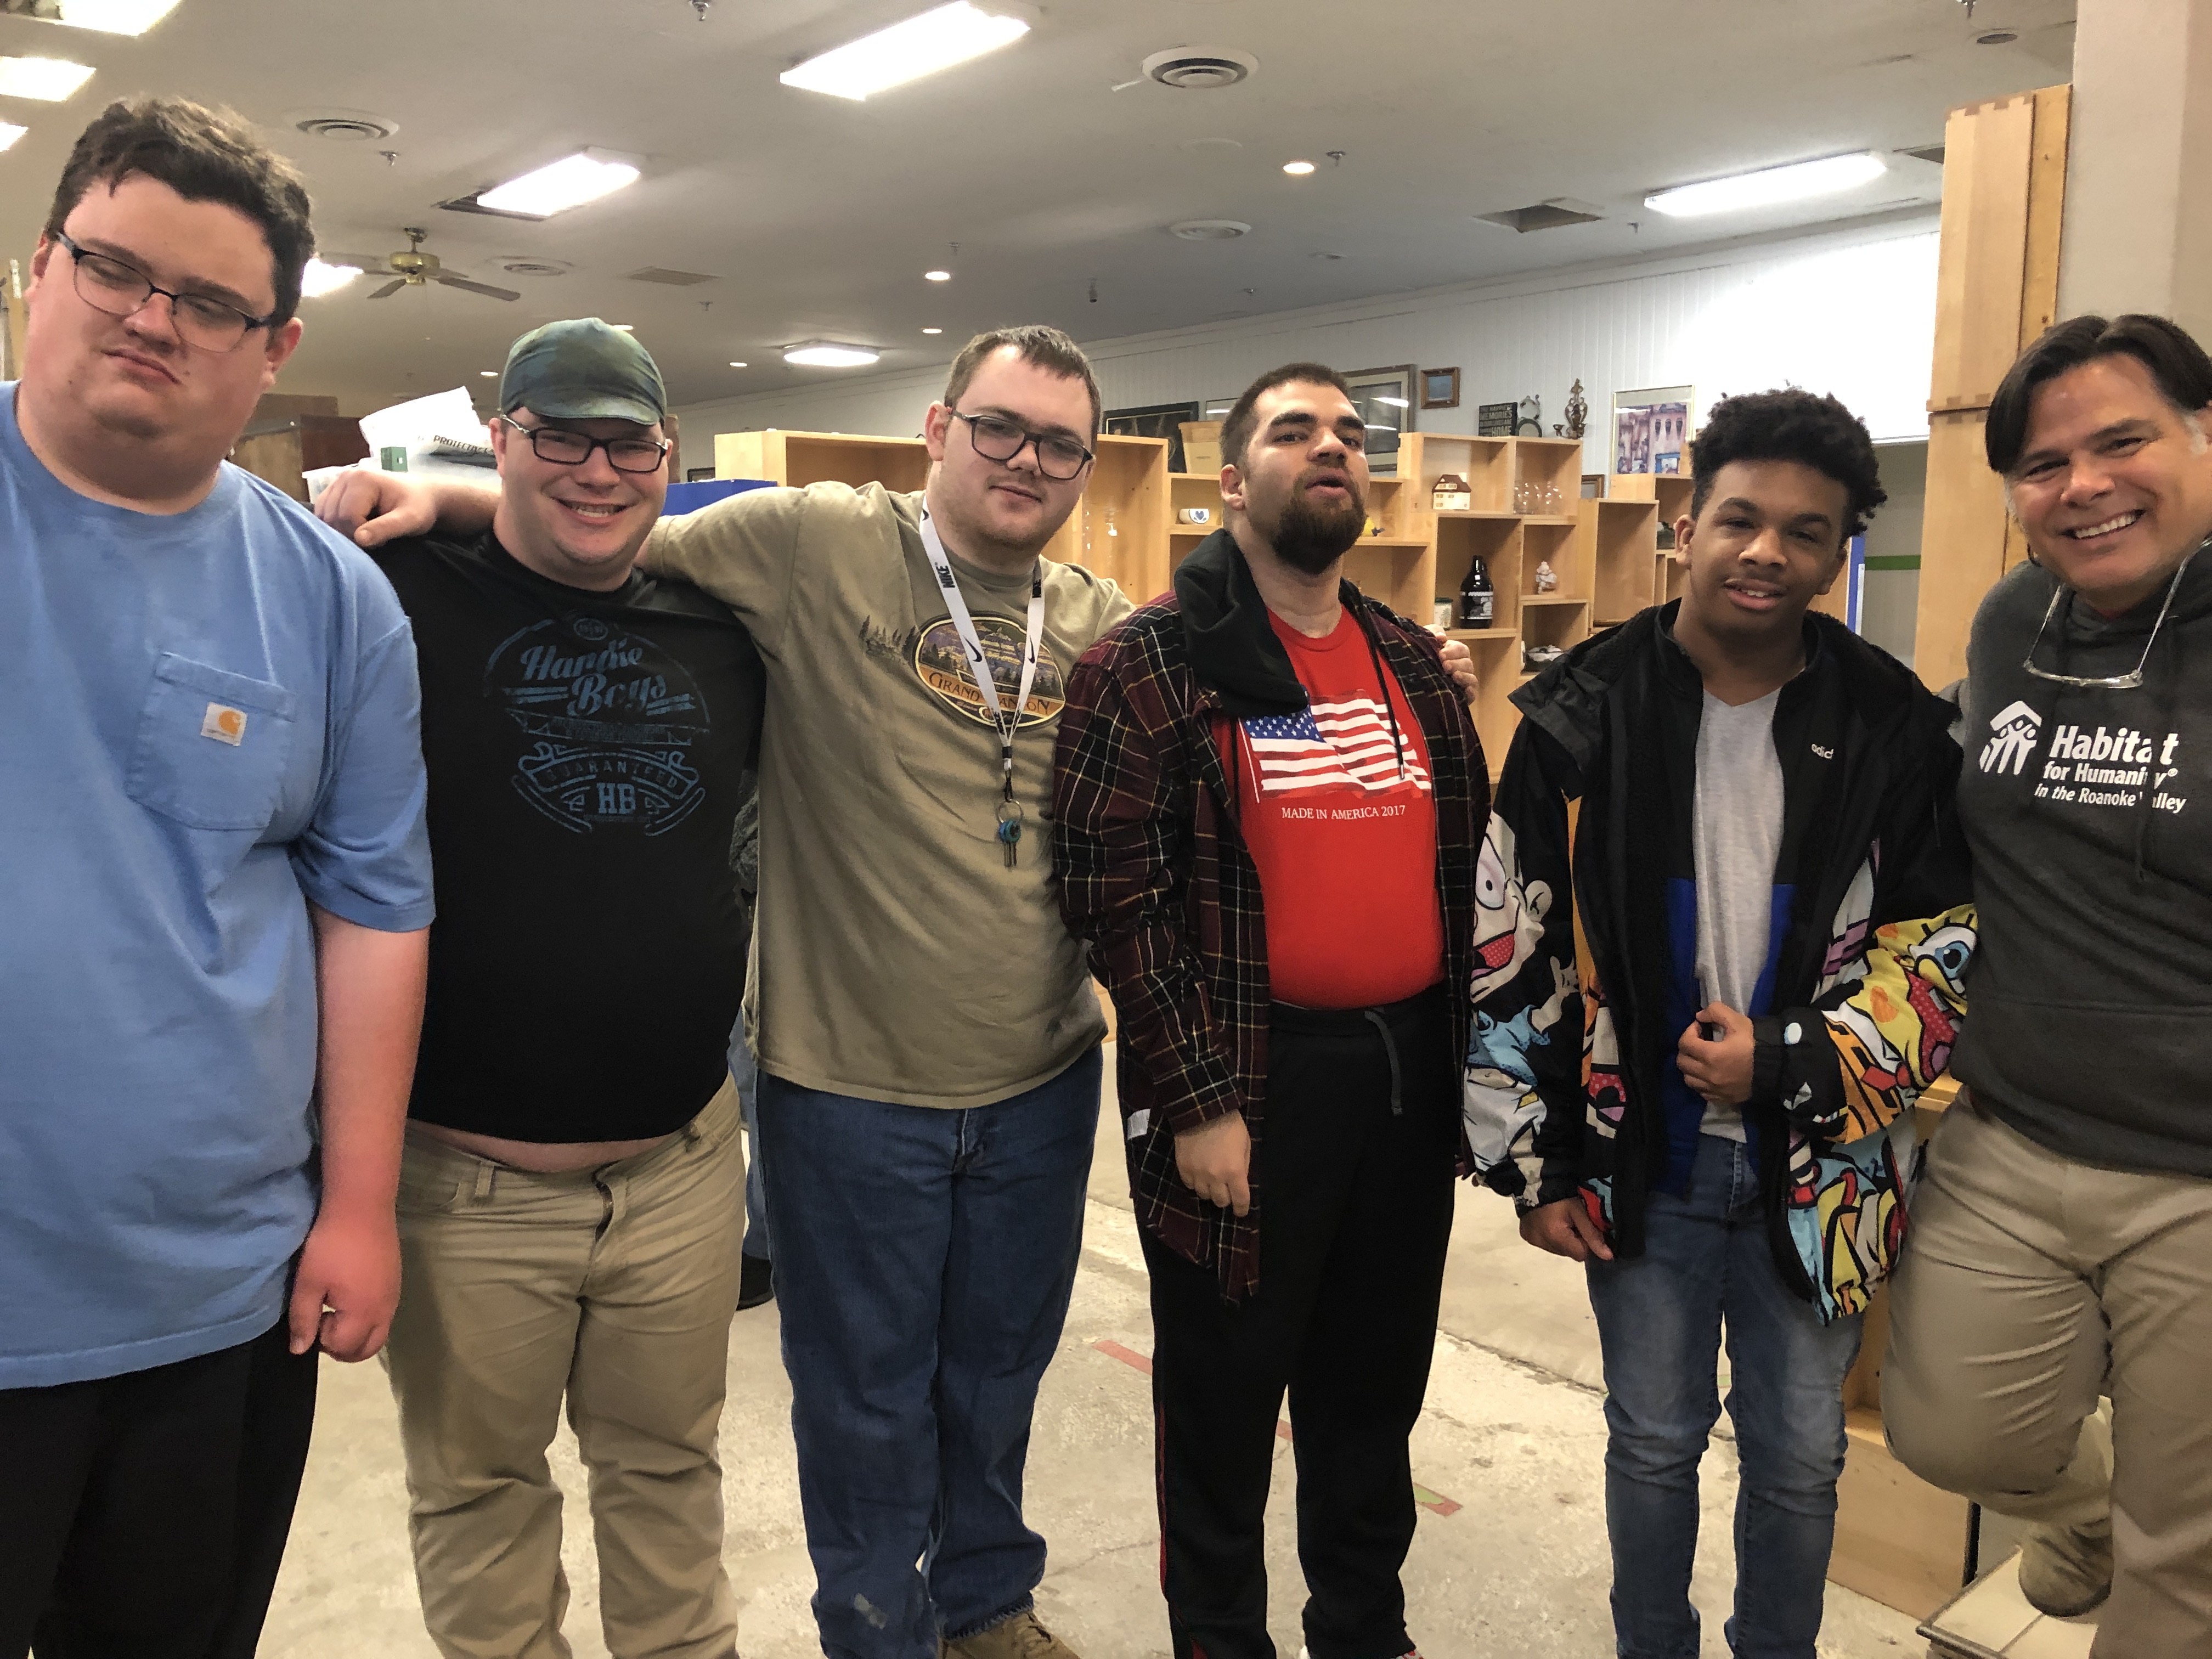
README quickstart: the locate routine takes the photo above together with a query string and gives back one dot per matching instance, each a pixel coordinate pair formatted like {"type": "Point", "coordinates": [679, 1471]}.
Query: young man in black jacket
{"type": "Point", "coordinates": [1771, 882]}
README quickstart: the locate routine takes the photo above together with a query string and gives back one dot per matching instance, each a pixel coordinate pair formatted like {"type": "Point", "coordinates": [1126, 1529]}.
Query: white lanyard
{"type": "Point", "coordinates": [979, 666]}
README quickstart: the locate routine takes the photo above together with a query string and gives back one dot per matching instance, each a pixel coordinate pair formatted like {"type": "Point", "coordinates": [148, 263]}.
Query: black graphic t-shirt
{"type": "Point", "coordinates": [585, 752]}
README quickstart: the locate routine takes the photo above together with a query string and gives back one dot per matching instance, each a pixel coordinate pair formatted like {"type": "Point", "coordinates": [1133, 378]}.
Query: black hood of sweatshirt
{"type": "Point", "coordinates": [1232, 647]}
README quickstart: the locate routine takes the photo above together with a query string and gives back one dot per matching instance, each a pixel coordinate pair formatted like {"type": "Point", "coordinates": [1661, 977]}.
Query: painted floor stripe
{"type": "Point", "coordinates": [1434, 1501]}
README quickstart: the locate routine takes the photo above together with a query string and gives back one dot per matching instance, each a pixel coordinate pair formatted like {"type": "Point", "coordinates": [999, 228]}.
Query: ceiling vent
{"type": "Point", "coordinates": [669, 278]}
{"type": "Point", "coordinates": [524, 266]}
{"type": "Point", "coordinates": [1199, 69]}
{"type": "Point", "coordinates": [1545, 215]}
{"type": "Point", "coordinates": [1209, 230]}
{"type": "Point", "coordinates": [1926, 153]}
{"type": "Point", "coordinates": [346, 126]}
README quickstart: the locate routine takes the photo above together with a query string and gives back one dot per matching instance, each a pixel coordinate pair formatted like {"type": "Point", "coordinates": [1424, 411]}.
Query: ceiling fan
{"type": "Point", "coordinates": [412, 268]}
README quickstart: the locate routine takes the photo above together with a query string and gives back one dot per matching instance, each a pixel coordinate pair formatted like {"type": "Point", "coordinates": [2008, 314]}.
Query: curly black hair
{"type": "Point", "coordinates": [1790, 425]}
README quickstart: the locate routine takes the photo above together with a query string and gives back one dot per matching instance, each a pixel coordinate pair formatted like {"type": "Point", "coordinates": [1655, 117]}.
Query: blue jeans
{"type": "Point", "coordinates": [924, 1259]}
{"type": "Point", "coordinates": [1706, 1261]}
{"type": "Point", "coordinates": [746, 1075]}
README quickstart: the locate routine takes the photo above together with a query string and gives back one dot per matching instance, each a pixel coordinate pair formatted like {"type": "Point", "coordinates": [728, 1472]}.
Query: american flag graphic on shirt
{"type": "Point", "coordinates": [1330, 746]}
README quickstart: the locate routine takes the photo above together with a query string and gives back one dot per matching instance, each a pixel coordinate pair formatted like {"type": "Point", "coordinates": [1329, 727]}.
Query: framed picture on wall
{"type": "Point", "coordinates": [1439, 388]}
{"type": "Point", "coordinates": [1154, 421]}
{"type": "Point", "coordinates": [1384, 398]}
{"type": "Point", "coordinates": [1652, 429]}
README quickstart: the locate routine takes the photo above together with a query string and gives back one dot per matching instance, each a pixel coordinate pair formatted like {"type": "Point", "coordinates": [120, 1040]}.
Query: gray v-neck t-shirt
{"type": "Point", "coordinates": [1735, 836]}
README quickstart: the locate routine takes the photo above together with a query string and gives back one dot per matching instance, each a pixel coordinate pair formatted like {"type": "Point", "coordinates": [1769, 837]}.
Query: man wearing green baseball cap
{"type": "Point", "coordinates": [570, 1198]}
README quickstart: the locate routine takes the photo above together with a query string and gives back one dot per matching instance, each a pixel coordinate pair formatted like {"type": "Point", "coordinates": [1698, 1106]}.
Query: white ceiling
{"type": "Point", "coordinates": [817, 216]}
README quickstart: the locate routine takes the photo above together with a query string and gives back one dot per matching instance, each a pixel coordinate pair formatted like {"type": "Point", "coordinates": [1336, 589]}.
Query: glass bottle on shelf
{"type": "Point", "coordinates": [1478, 600]}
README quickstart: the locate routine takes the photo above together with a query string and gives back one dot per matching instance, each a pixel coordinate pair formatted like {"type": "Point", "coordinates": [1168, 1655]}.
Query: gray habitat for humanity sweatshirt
{"type": "Point", "coordinates": [2089, 1003]}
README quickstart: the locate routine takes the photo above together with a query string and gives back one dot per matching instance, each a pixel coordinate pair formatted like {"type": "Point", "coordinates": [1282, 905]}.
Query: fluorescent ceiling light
{"type": "Point", "coordinates": [828, 354]}
{"type": "Point", "coordinates": [488, 373]}
{"type": "Point", "coordinates": [937, 276]}
{"type": "Point", "coordinates": [569, 182]}
{"type": "Point", "coordinates": [49, 80]}
{"type": "Point", "coordinates": [623, 328]}
{"type": "Point", "coordinates": [921, 46]}
{"type": "Point", "coordinates": [736, 365]}
{"type": "Point", "coordinates": [319, 278]}
{"type": "Point", "coordinates": [9, 133]}
{"type": "Point", "coordinates": [111, 16]}
{"type": "Point", "coordinates": [1298, 169]}
{"type": "Point", "coordinates": [1769, 186]}
{"type": "Point", "coordinates": [933, 330]}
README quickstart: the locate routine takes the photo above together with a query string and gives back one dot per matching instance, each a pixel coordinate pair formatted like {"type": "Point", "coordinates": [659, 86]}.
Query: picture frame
{"type": "Point", "coordinates": [1652, 429]}
{"type": "Point", "coordinates": [1386, 399]}
{"type": "Point", "coordinates": [1153, 421]}
{"type": "Point", "coordinates": [1439, 388]}
{"type": "Point", "coordinates": [1496, 420]}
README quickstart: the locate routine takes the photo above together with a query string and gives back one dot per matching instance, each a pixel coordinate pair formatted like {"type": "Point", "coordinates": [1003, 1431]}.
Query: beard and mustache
{"type": "Point", "coordinates": [1310, 537]}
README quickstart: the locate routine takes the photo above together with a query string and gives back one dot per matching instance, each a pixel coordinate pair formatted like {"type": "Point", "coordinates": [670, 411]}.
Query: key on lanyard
{"type": "Point", "coordinates": [1010, 828]}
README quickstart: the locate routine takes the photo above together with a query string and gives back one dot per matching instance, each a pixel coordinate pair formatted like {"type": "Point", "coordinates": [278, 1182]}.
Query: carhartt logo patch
{"type": "Point", "coordinates": [224, 724]}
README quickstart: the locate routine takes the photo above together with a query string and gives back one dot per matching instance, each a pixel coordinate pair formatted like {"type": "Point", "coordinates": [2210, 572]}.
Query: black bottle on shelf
{"type": "Point", "coordinates": [1478, 601]}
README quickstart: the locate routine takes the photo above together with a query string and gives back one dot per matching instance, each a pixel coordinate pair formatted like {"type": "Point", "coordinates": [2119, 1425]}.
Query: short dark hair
{"type": "Point", "coordinates": [1790, 425]}
{"type": "Point", "coordinates": [1236, 430]}
{"type": "Point", "coordinates": [2177, 364]}
{"type": "Point", "coordinates": [205, 155]}
{"type": "Point", "coordinates": [1040, 344]}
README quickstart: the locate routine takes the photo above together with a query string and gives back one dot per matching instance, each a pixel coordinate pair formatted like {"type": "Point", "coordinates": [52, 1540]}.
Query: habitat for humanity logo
{"type": "Point", "coordinates": [2016, 727]}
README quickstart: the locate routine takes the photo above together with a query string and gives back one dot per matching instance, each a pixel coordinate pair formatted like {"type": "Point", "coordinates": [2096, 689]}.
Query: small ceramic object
{"type": "Point", "coordinates": [1577, 410]}
{"type": "Point", "coordinates": [1450, 494]}
{"type": "Point", "coordinates": [1442, 614]}
{"type": "Point", "coordinates": [1547, 580]}
{"type": "Point", "coordinates": [1198, 515]}
{"type": "Point", "coordinates": [1536, 658]}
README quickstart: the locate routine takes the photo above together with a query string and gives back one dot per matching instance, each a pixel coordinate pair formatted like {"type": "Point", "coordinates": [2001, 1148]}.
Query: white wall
{"type": "Point", "coordinates": [1890, 612]}
{"type": "Point", "coordinates": [1850, 312]}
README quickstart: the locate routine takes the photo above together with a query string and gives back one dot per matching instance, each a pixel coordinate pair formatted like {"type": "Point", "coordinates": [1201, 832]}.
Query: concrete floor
{"type": "Point", "coordinates": [1510, 1560]}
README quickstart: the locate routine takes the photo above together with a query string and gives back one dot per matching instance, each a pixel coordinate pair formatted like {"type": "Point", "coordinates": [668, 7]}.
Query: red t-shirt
{"type": "Point", "coordinates": [1345, 842]}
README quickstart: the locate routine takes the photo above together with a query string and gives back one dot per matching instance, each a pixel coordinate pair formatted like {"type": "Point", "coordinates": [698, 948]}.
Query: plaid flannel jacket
{"type": "Point", "coordinates": [1155, 877]}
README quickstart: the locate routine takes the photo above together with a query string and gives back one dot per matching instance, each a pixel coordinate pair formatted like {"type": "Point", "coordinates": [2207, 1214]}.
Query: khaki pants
{"type": "Point", "coordinates": [613, 1285]}
{"type": "Point", "coordinates": [2030, 1284]}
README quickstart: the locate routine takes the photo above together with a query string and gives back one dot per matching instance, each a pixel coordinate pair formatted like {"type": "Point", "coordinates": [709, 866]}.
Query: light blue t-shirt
{"type": "Point", "coordinates": [207, 720]}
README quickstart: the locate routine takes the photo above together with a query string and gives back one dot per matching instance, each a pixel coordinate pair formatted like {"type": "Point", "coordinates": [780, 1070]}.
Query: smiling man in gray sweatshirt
{"type": "Point", "coordinates": [2061, 1234]}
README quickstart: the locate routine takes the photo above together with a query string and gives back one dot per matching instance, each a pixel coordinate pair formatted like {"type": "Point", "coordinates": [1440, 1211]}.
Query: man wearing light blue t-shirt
{"type": "Point", "coordinates": [216, 885]}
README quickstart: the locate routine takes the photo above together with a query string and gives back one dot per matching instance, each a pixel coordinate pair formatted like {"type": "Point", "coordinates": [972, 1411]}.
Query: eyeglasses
{"type": "Point", "coordinates": [2127, 682]}
{"type": "Point", "coordinates": [566, 448]}
{"type": "Point", "coordinates": [122, 290]}
{"type": "Point", "coordinates": [1058, 459]}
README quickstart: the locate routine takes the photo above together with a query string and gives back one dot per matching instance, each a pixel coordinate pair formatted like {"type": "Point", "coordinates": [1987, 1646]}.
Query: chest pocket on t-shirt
{"type": "Point", "coordinates": [212, 746]}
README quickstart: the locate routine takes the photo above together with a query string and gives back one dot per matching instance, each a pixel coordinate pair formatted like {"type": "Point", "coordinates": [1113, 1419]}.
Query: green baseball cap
{"type": "Point", "coordinates": [582, 369]}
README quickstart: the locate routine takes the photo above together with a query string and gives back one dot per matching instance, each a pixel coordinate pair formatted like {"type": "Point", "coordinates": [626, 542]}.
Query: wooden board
{"type": "Point", "coordinates": [1963, 535]}
{"type": "Point", "coordinates": [1987, 149]}
{"type": "Point", "coordinates": [1899, 1539]}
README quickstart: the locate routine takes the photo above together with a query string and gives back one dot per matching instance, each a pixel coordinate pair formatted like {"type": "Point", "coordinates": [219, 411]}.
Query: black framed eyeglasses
{"type": "Point", "coordinates": [566, 448]}
{"type": "Point", "coordinates": [998, 440]}
{"type": "Point", "coordinates": [108, 284]}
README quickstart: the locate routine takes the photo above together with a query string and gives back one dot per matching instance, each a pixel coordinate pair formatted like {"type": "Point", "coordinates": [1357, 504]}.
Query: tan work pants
{"type": "Point", "coordinates": [2031, 1284]}
{"type": "Point", "coordinates": [613, 1285]}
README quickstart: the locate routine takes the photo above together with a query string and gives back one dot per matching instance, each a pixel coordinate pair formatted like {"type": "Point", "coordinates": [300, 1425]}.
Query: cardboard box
{"type": "Point", "coordinates": [1201, 447]}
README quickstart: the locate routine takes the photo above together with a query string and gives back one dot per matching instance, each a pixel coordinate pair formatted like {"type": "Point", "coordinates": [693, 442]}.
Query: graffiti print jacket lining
{"type": "Point", "coordinates": [1572, 1088]}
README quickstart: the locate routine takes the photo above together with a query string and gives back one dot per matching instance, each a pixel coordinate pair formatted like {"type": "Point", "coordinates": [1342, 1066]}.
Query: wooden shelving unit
{"type": "Point", "coordinates": [1119, 529]}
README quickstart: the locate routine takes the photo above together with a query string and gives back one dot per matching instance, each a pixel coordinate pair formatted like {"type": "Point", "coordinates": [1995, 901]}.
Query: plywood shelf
{"type": "Point", "coordinates": [1482, 636]}
{"type": "Point", "coordinates": [1548, 598]}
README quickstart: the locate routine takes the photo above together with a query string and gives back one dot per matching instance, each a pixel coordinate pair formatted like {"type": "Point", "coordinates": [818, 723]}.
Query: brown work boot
{"type": "Point", "coordinates": [1021, 1637]}
{"type": "Point", "coordinates": [2065, 1571]}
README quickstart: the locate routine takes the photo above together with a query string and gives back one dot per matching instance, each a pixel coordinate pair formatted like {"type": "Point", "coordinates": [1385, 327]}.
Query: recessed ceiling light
{"type": "Point", "coordinates": [108, 17]}
{"type": "Point", "coordinates": [1298, 169]}
{"type": "Point", "coordinates": [1769, 185]}
{"type": "Point", "coordinates": [737, 364]}
{"type": "Point", "coordinates": [937, 276]}
{"type": "Point", "coordinates": [569, 182]}
{"type": "Point", "coordinates": [828, 354]}
{"type": "Point", "coordinates": [936, 40]}
{"type": "Point", "coordinates": [49, 80]}
{"type": "Point", "coordinates": [319, 278]}
{"type": "Point", "coordinates": [933, 330]}
{"type": "Point", "coordinates": [1997, 37]}
{"type": "Point", "coordinates": [9, 133]}
{"type": "Point", "coordinates": [1209, 230]}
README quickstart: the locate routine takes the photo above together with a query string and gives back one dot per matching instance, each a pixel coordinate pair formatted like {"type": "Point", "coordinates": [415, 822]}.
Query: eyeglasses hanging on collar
{"type": "Point", "coordinates": [2127, 682]}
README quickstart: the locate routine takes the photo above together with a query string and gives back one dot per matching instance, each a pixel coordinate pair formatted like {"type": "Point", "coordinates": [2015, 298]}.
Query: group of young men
{"type": "Point", "coordinates": [1256, 808]}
